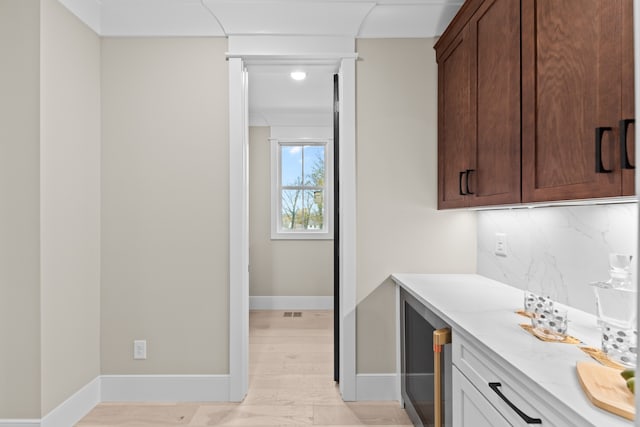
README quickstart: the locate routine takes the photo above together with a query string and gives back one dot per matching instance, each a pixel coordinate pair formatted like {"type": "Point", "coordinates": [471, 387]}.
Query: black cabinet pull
{"type": "Point", "coordinates": [462, 174]}
{"type": "Point", "coordinates": [599, 166]}
{"type": "Point", "coordinates": [527, 419]}
{"type": "Point", "coordinates": [467, 180]}
{"type": "Point", "coordinates": [624, 155]}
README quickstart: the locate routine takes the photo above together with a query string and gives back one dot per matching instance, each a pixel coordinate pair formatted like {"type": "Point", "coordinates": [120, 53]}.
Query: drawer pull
{"type": "Point", "coordinates": [467, 180]}
{"type": "Point", "coordinates": [599, 166]}
{"type": "Point", "coordinates": [465, 175]}
{"type": "Point", "coordinates": [624, 155]}
{"type": "Point", "coordinates": [527, 419]}
{"type": "Point", "coordinates": [462, 193]}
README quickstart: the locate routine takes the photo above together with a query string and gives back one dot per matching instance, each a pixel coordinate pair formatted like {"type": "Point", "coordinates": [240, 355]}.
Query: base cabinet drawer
{"type": "Point", "coordinates": [470, 408]}
{"type": "Point", "coordinates": [509, 395]}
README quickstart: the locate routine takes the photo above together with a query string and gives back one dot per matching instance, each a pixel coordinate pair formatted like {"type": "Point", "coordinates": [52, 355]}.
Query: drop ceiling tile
{"type": "Point", "coordinates": [158, 18]}
{"type": "Point", "coordinates": [353, 18]}
{"type": "Point", "coordinates": [291, 18]}
{"type": "Point", "coordinates": [416, 20]}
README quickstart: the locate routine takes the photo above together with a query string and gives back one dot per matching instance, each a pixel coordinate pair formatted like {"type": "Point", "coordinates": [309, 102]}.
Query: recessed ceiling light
{"type": "Point", "coordinates": [298, 75]}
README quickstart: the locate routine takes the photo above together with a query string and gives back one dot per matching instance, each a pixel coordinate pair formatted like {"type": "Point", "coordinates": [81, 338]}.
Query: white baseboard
{"type": "Point", "coordinates": [66, 414]}
{"type": "Point", "coordinates": [130, 388]}
{"type": "Point", "coordinates": [165, 388]}
{"type": "Point", "coordinates": [19, 422]}
{"type": "Point", "coordinates": [290, 303]}
{"type": "Point", "coordinates": [172, 388]}
{"type": "Point", "coordinates": [376, 387]}
{"type": "Point", "coordinates": [72, 410]}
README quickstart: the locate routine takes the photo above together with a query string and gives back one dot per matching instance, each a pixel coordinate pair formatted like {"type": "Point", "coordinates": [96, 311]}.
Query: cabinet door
{"type": "Point", "coordinates": [470, 408]}
{"type": "Point", "coordinates": [628, 111]}
{"type": "Point", "coordinates": [571, 61]}
{"type": "Point", "coordinates": [495, 150]}
{"type": "Point", "coordinates": [454, 121]}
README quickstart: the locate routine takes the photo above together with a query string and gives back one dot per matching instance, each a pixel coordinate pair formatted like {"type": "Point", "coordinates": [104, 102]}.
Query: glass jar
{"type": "Point", "coordinates": [617, 312]}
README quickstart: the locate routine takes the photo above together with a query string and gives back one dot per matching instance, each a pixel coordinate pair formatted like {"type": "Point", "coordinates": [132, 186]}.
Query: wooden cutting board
{"type": "Point", "coordinates": [606, 389]}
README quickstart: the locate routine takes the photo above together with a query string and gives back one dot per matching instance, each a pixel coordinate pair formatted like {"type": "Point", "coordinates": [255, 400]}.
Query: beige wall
{"type": "Point", "coordinates": [70, 204]}
{"type": "Point", "coordinates": [399, 228]}
{"type": "Point", "coordinates": [165, 203]}
{"type": "Point", "coordinates": [19, 215]}
{"type": "Point", "coordinates": [280, 267]}
{"type": "Point", "coordinates": [50, 263]}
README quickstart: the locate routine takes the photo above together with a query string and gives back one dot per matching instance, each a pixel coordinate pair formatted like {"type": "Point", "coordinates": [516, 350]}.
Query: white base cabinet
{"type": "Point", "coordinates": [501, 375]}
{"type": "Point", "coordinates": [470, 408]}
{"type": "Point", "coordinates": [485, 393]}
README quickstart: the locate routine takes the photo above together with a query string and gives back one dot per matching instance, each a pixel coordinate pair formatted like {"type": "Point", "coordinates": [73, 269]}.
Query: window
{"type": "Point", "coordinates": [301, 183]}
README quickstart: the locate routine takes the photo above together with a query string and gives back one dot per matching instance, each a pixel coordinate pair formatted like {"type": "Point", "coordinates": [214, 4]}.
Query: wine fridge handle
{"type": "Point", "coordinates": [440, 338]}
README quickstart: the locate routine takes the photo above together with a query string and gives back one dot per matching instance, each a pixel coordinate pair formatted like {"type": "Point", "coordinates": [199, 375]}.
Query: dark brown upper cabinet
{"type": "Point", "coordinates": [479, 106]}
{"type": "Point", "coordinates": [627, 137]}
{"type": "Point", "coordinates": [577, 99]}
{"type": "Point", "coordinates": [536, 102]}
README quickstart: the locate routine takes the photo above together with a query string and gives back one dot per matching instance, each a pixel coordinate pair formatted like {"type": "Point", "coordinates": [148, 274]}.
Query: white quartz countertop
{"type": "Point", "coordinates": [484, 309]}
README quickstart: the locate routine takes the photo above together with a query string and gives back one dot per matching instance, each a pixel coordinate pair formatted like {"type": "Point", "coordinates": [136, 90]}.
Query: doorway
{"type": "Point", "coordinates": [293, 155]}
{"type": "Point", "coordinates": [239, 230]}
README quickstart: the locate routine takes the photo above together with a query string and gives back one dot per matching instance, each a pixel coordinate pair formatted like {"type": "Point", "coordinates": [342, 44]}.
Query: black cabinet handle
{"type": "Point", "coordinates": [527, 419]}
{"type": "Point", "coordinates": [467, 180]}
{"type": "Point", "coordinates": [462, 174]}
{"type": "Point", "coordinates": [624, 155]}
{"type": "Point", "coordinates": [599, 166]}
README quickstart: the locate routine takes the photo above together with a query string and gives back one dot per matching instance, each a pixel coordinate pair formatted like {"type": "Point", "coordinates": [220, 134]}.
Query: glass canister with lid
{"type": "Point", "coordinates": [617, 311]}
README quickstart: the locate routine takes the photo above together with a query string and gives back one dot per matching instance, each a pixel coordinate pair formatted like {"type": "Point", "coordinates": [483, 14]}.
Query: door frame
{"type": "Point", "coordinates": [239, 213]}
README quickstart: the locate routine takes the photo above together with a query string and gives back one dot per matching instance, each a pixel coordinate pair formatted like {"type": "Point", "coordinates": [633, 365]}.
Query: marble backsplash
{"type": "Point", "coordinates": [557, 251]}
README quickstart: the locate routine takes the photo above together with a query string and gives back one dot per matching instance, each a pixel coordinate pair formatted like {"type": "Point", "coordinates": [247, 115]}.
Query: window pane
{"type": "Point", "coordinates": [291, 209]}
{"type": "Point", "coordinates": [314, 165]}
{"type": "Point", "coordinates": [302, 210]}
{"type": "Point", "coordinates": [291, 164]}
{"type": "Point", "coordinates": [314, 209]}
{"type": "Point", "coordinates": [302, 188]}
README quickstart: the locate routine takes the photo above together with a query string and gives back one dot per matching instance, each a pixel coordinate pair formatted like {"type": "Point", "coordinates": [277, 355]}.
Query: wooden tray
{"type": "Point", "coordinates": [606, 389]}
{"type": "Point", "coordinates": [599, 356]}
{"type": "Point", "coordinates": [566, 339]}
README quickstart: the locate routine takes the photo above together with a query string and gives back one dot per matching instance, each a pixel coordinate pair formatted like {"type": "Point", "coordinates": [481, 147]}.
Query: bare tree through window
{"type": "Point", "coordinates": [303, 189]}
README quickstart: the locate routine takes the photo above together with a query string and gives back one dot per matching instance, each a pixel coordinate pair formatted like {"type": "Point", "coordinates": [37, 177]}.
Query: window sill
{"type": "Point", "coordinates": [301, 236]}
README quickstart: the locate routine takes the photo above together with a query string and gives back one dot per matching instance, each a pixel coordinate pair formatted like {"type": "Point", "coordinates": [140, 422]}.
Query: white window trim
{"type": "Point", "coordinates": [277, 232]}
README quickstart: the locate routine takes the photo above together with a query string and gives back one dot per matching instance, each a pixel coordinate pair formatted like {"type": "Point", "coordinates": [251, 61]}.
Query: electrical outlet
{"type": "Point", "coordinates": [140, 349]}
{"type": "Point", "coordinates": [501, 244]}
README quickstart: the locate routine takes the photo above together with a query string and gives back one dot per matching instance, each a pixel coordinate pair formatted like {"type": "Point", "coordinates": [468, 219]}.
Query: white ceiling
{"type": "Point", "coordinates": [274, 98]}
{"type": "Point", "coordinates": [355, 18]}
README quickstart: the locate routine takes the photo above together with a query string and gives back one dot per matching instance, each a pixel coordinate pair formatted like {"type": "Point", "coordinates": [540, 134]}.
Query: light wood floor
{"type": "Point", "coordinates": [290, 383]}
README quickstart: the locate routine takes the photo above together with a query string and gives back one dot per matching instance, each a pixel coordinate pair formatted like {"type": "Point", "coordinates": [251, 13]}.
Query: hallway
{"type": "Point", "coordinates": [291, 368]}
